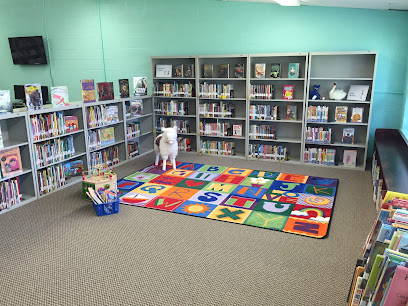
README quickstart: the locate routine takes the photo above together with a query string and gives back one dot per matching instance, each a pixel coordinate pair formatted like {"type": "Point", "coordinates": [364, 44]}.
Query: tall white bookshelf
{"type": "Point", "coordinates": [344, 69]}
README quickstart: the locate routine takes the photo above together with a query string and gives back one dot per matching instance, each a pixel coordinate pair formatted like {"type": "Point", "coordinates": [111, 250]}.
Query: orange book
{"type": "Point", "coordinates": [10, 161]}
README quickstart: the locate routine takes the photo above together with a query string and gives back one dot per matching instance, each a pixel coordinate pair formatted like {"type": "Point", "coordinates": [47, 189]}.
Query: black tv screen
{"type": "Point", "coordinates": [28, 50]}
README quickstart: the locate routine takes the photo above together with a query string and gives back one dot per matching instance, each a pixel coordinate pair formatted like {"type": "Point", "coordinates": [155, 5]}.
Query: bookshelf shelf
{"type": "Point", "coordinates": [224, 118]}
{"type": "Point", "coordinates": [25, 171]}
{"type": "Point", "coordinates": [50, 109]}
{"type": "Point", "coordinates": [277, 100]}
{"type": "Point", "coordinates": [342, 79]}
{"type": "Point", "coordinates": [172, 97]}
{"type": "Point", "coordinates": [68, 183]}
{"type": "Point", "coordinates": [338, 123]}
{"type": "Point", "coordinates": [138, 117]}
{"type": "Point", "coordinates": [10, 144]}
{"type": "Point", "coordinates": [26, 199]}
{"type": "Point", "coordinates": [173, 79]}
{"type": "Point", "coordinates": [107, 146]}
{"type": "Point", "coordinates": [279, 139]}
{"type": "Point", "coordinates": [182, 116]}
{"type": "Point", "coordinates": [222, 79]}
{"type": "Point", "coordinates": [59, 136]}
{"type": "Point", "coordinates": [277, 121]}
{"type": "Point", "coordinates": [62, 161]}
{"type": "Point", "coordinates": [278, 79]}
{"type": "Point", "coordinates": [228, 137]}
{"type": "Point", "coordinates": [219, 99]}
{"type": "Point", "coordinates": [105, 125]}
{"type": "Point", "coordinates": [337, 144]}
{"type": "Point", "coordinates": [339, 101]}
{"type": "Point", "coordinates": [98, 103]}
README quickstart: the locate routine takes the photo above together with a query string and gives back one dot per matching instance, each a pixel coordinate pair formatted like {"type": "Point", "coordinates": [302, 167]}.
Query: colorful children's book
{"type": "Point", "coordinates": [33, 96]}
{"type": "Point", "coordinates": [107, 136]}
{"type": "Point", "coordinates": [188, 71]}
{"type": "Point", "coordinates": [112, 114]}
{"type": "Point", "coordinates": [136, 107]}
{"type": "Point", "coordinates": [349, 158]}
{"type": "Point", "coordinates": [341, 114]}
{"type": "Point", "coordinates": [260, 70]}
{"type": "Point", "coordinates": [88, 90]}
{"type": "Point", "coordinates": [237, 130]}
{"type": "Point", "coordinates": [10, 161]}
{"type": "Point", "coordinates": [140, 85]}
{"type": "Point", "coordinates": [224, 71]}
{"type": "Point", "coordinates": [73, 168]}
{"type": "Point", "coordinates": [288, 92]}
{"type": "Point", "coordinates": [6, 105]}
{"type": "Point", "coordinates": [293, 70]}
{"type": "Point", "coordinates": [290, 112]}
{"type": "Point", "coordinates": [357, 114]}
{"type": "Point", "coordinates": [163, 71]}
{"type": "Point", "coordinates": [208, 71]}
{"type": "Point", "coordinates": [59, 96]}
{"type": "Point", "coordinates": [105, 91]}
{"type": "Point", "coordinates": [348, 136]}
{"type": "Point", "coordinates": [71, 123]}
{"type": "Point", "coordinates": [275, 71]}
{"type": "Point", "coordinates": [124, 88]}
{"type": "Point", "coordinates": [178, 71]}
{"type": "Point", "coordinates": [239, 70]}
{"type": "Point", "coordinates": [398, 290]}
{"type": "Point", "coordinates": [358, 92]}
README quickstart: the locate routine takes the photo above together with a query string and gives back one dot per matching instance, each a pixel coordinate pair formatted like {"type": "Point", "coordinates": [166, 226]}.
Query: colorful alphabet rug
{"type": "Point", "coordinates": [285, 202]}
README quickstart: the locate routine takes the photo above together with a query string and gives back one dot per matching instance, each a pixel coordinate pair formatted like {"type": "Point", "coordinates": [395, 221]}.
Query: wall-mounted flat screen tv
{"type": "Point", "coordinates": [28, 50]}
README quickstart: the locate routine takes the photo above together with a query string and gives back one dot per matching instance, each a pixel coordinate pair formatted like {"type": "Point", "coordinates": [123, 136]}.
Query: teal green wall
{"type": "Point", "coordinates": [112, 39]}
{"type": "Point", "coordinates": [405, 120]}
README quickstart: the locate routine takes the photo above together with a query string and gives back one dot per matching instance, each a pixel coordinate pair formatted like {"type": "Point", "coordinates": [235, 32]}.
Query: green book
{"type": "Point", "coordinates": [293, 71]}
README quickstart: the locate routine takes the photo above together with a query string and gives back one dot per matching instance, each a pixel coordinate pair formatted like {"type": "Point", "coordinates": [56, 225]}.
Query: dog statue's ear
{"type": "Point", "coordinates": [175, 128]}
{"type": "Point", "coordinates": [163, 129]}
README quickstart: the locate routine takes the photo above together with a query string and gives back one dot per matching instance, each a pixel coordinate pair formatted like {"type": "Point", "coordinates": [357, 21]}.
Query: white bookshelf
{"type": "Point", "coordinates": [344, 69]}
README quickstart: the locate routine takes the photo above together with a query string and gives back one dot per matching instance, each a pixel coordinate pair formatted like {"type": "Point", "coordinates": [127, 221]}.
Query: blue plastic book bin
{"type": "Point", "coordinates": [107, 208]}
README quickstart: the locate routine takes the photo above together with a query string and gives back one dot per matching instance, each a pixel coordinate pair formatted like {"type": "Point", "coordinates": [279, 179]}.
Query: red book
{"type": "Point", "coordinates": [288, 92]}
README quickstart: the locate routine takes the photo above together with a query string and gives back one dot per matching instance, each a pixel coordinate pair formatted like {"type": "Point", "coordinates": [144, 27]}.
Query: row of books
{"type": "Point", "coordinates": [184, 144]}
{"type": "Point", "coordinates": [108, 156]}
{"type": "Point", "coordinates": [101, 137]}
{"type": "Point", "coordinates": [134, 108]}
{"type": "Point", "coordinates": [133, 148]}
{"type": "Point", "coordinates": [183, 126]}
{"type": "Point", "coordinates": [132, 130]}
{"type": "Point", "coordinates": [50, 178]}
{"type": "Point", "coordinates": [10, 193]}
{"type": "Point", "coordinates": [10, 162]}
{"type": "Point", "coordinates": [223, 71]}
{"type": "Point", "coordinates": [174, 89]}
{"type": "Point", "coordinates": [178, 71]}
{"type": "Point", "coordinates": [262, 131]}
{"type": "Point", "coordinates": [179, 108]}
{"type": "Point", "coordinates": [220, 129]}
{"type": "Point", "coordinates": [101, 115]}
{"type": "Point", "coordinates": [321, 113]}
{"type": "Point", "coordinates": [320, 156]}
{"type": "Point", "coordinates": [318, 135]}
{"type": "Point", "coordinates": [293, 70]}
{"type": "Point", "coordinates": [263, 112]}
{"type": "Point", "coordinates": [217, 91]}
{"type": "Point", "coordinates": [44, 126]}
{"type": "Point", "coordinates": [381, 277]}
{"type": "Point", "coordinates": [217, 110]}
{"type": "Point", "coordinates": [262, 151]}
{"type": "Point", "coordinates": [377, 181]}
{"type": "Point", "coordinates": [263, 92]}
{"type": "Point", "coordinates": [217, 147]}
{"type": "Point", "coordinates": [53, 151]}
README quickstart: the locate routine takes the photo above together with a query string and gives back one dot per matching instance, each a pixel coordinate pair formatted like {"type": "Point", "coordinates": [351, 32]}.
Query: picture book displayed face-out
{"type": "Point", "coordinates": [208, 70]}
{"type": "Point", "coordinates": [291, 112]}
{"type": "Point", "coordinates": [136, 107]}
{"type": "Point", "coordinates": [357, 114]}
{"type": "Point", "coordinates": [111, 113]}
{"type": "Point", "coordinates": [341, 114]}
{"type": "Point", "coordinates": [33, 95]}
{"type": "Point", "coordinates": [348, 136]}
{"type": "Point", "coordinates": [349, 158]}
{"type": "Point", "coordinates": [188, 71]}
{"type": "Point", "coordinates": [124, 88]}
{"type": "Point", "coordinates": [178, 71]}
{"type": "Point", "coordinates": [105, 91]}
{"type": "Point", "coordinates": [260, 70]}
{"type": "Point", "coordinates": [71, 123]}
{"type": "Point", "coordinates": [288, 92]}
{"type": "Point", "coordinates": [10, 161]}
{"type": "Point", "coordinates": [224, 71]}
{"type": "Point", "coordinates": [88, 90]}
{"type": "Point", "coordinates": [275, 71]}
{"type": "Point", "coordinates": [140, 85]}
{"type": "Point", "coordinates": [59, 96]}
{"type": "Point", "coordinates": [107, 136]}
{"type": "Point", "coordinates": [293, 70]}
{"type": "Point", "coordinates": [6, 105]}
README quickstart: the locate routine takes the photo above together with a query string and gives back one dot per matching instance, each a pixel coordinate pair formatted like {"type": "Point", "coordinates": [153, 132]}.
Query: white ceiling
{"type": "Point", "coordinates": [364, 4]}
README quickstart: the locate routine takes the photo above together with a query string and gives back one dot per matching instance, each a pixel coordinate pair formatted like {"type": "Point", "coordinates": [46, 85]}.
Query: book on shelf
{"type": "Point", "coordinates": [50, 178]}
{"type": "Point", "coordinates": [358, 92]}
{"type": "Point", "coordinates": [357, 114]}
{"type": "Point", "coordinates": [105, 91]}
{"type": "Point", "coordinates": [288, 92]}
{"type": "Point", "coordinates": [275, 70]}
{"type": "Point", "coordinates": [140, 86]}
{"type": "Point", "coordinates": [53, 150]}
{"type": "Point", "coordinates": [10, 161]}
{"type": "Point", "coordinates": [10, 193]}
{"type": "Point", "coordinates": [237, 130]}
{"type": "Point", "coordinates": [341, 114]}
{"type": "Point", "coordinates": [1, 139]}
{"type": "Point", "coordinates": [293, 70]}
{"type": "Point", "coordinates": [163, 71]}
{"type": "Point", "coordinates": [260, 70]}
{"type": "Point", "coordinates": [124, 88]}
{"type": "Point", "coordinates": [88, 91]}
{"type": "Point", "coordinates": [59, 96]}
{"type": "Point", "coordinates": [6, 105]}
{"type": "Point", "coordinates": [73, 168]}
{"type": "Point", "coordinates": [133, 148]}
{"type": "Point", "coordinates": [107, 136]}
{"type": "Point", "coordinates": [397, 292]}
{"type": "Point", "coordinates": [349, 158]}
{"type": "Point", "coordinates": [33, 96]}
{"type": "Point", "coordinates": [239, 70]}
{"type": "Point", "coordinates": [208, 70]}
{"type": "Point", "coordinates": [178, 71]}
{"type": "Point", "coordinates": [291, 112]}
{"type": "Point", "coordinates": [348, 136]}
{"type": "Point", "coordinates": [184, 144]}
{"type": "Point", "coordinates": [261, 151]}
{"type": "Point", "coordinates": [136, 107]}
{"type": "Point", "coordinates": [224, 71]}
{"type": "Point", "coordinates": [71, 124]}
{"type": "Point", "coordinates": [320, 156]}
{"type": "Point", "coordinates": [112, 114]}
{"type": "Point", "coordinates": [188, 70]}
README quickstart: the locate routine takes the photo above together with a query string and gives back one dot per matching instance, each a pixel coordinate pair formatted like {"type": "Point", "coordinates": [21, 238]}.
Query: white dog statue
{"type": "Point", "coordinates": [166, 145]}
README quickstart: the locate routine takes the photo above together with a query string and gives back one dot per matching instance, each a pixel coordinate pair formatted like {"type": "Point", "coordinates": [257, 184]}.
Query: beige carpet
{"type": "Point", "coordinates": [56, 251]}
